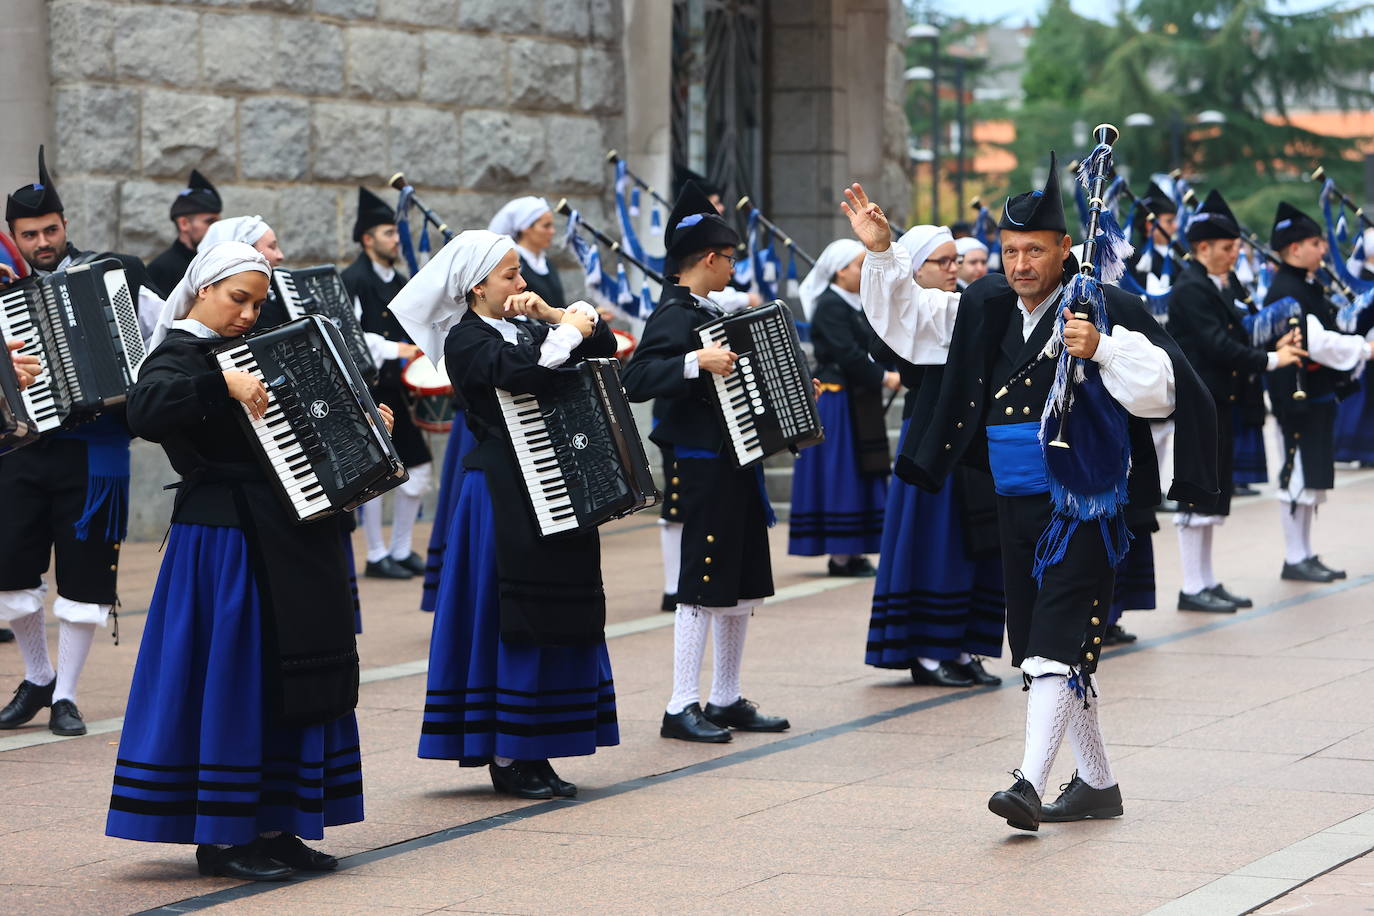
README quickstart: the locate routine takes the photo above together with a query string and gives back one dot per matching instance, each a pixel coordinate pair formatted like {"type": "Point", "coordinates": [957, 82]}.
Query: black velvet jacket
{"type": "Point", "coordinates": [1205, 323]}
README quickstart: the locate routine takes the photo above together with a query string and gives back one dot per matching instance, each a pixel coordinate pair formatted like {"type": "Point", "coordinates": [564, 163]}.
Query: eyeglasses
{"type": "Point", "coordinates": [946, 263]}
{"type": "Point", "coordinates": [731, 256]}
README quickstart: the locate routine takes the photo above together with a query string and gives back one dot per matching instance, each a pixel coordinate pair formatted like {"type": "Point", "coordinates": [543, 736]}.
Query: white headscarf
{"type": "Point", "coordinates": [922, 241]}
{"type": "Point", "coordinates": [436, 297]}
{"type": "Point", "coordinates": [246, 229]}
{"type": "Point", "coordinates": [966, 244]}
{"type": "Point", "coordinates": [836, 256]}
{"type": "Point", "coordinates": [518, 215]}
{"type": "Point", "coordinates": [211, 264]}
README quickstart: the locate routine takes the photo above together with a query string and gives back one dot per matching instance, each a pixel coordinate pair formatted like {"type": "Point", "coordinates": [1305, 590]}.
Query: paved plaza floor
{"type": "Point", "coordinates": [1244, 746]}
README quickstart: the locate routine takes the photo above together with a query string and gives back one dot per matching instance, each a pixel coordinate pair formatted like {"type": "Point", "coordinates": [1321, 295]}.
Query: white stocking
{"type": "Point", "coordinates": [1048, 709]}
{"type": "Point", "coordinates": [1209, 578]}
{"type": "Point", "coordinates": [372, 530]}
{"type": "Point", "coordinates": [728, 632]}
{"type": "Point", "coordinates": [1294, 537]}
{"type": "Point", "coordinates": [1192, 542]}
{"type": "Point", "coordinates": [1089, 750]}
{"type": "Point", "coordinates": [32, 638]}
{"type": "Point", "coordinates": [73, 645]}
{"type": "Point", "coordinates": [1305, 513]}
{"type": "Point", "coordinates": [689, 646]}
{"type": "Point", "coordinates": [405, 509]}
{"type": "Point", "coordinates": [670, 542]}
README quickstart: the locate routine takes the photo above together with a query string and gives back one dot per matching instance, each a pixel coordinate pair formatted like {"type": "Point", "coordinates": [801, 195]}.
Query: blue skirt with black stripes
{"type": "Point", "coordinates": [460, 442]}
{"type": "Point", "coordinates": [198, 762]}
{"type": "Point", "coordinates": [835, 508]}
{"type": "Point", "coordinates": [931, 600]}
{"type": "Point", "coordinates": [1355, 425]}
{"type": "Point", "coordinates": [486, 698]}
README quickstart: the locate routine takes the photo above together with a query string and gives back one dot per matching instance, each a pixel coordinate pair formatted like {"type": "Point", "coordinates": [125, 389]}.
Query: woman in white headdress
{"type": "Point", "coordinates": [518, 668]}
{"type": "Point", "coordinates": [840, 486]}
{"type": "Point", "coordinates": [938, 602]}
{"type": "Point", "coordinates": [529, 223]}
{"type": "Point", "coordinates": [239, 734]}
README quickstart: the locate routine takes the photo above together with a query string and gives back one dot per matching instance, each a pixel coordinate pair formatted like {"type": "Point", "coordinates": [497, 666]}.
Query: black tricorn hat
{"type": "Point", "coordinates": [1291, 225]}
{"type": "Point", "coordinates": [36, 199]}
{"type": "Point", "coordinates": [1213, 220]}
{"type": "Point", "coordinates": [694, 225]}
{"type": "Point", "coordinates": [1159, 202]}
{"type": "Point", "coordinates": [199, 196]}
{"type": "Point", "coordinates": [1036, 211]}
{"type": "Point", "coordinates": [372, 212]}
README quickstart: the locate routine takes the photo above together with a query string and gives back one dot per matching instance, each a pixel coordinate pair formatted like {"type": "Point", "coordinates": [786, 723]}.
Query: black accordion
{"type": "Point", "coordinates": [82, 324]}
{"type": "Point", "coordinates": [578, 450]}
{"type": "Point", "coordinates": [767, 402]}
{"type": "Point", "coordinates": [320, 291]}
{"type": "Point", "coordinates": [16, 426]}
{"type": "Point", "coordinates": [322, 440]}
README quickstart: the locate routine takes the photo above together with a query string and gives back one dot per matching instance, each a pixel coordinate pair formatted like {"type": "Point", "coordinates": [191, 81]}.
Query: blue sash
{"type": "Point", "coordinates": [1017, 459]}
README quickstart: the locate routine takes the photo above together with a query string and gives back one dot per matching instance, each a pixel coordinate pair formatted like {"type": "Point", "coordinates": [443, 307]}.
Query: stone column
{"type": "Point", "coordinates": [23, 91]}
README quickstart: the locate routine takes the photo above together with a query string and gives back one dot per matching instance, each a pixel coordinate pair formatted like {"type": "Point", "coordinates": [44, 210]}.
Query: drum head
{"type": "Point", "coordinates": [423, 378]}
{"type": "Point", "coordinates": [624, 345]}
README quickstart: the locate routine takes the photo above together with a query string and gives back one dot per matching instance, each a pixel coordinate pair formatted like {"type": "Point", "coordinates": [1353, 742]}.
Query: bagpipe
{"type": "Point", "coordinates": [609, 290]}
{"type": "Point", "coordinates": [1344, 279]}
{"type": "Point", "coordinates": [1157, 303]}
{"type": "Point", "coordinates": [403, 206]}
{"type": "Point", "coordinates": [1088, 456]}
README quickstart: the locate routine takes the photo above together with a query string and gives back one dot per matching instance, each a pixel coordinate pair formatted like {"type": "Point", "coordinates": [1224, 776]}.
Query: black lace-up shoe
{"type": "Point", "coordinates": [561, 787]}
{"type": "Point", "coordinates": [1079, 801]}
{"type": "Point", "coordinates": [1220, 591]}
{"type": "Point", "coordinates": [28, 699]}
{"type": "Point", "coordinates": [975, 672]}
{"type": "Point", "coordinates": [66, 720]}
{"type": "Point", "coordinates": [1020, 804]}
{"type": "Point", "coordinates": [521, 779]}
{"type": "Point", "coordinates": [1316, 562]}
{"type": "Point", "coordinates": [691, 725]}
{"type": "Point", "coordinates": [414, 564]}
{"type": "Point", "coordinates": [945, 674]}
{"type": "Point", "coordinates": [386, 568]}
{"type": "Point", "coordinates": [247, 863]}
{"type": "Point", "coordinates": [1306, 571]}
{"type": "Point", "coordinates": [1116, 635]}
{"type": "Point", "coordinates": [289, 850]}
{"type": "Point", "coordinates": [744, 715]}
{"type": "Point", "coordinates": [1204, 601]}
{"type": "Point", "coordinates": [6, 634]}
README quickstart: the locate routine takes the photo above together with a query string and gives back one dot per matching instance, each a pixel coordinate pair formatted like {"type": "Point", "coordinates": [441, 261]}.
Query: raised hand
{"type": "Point", "coordinates": [867, 219]}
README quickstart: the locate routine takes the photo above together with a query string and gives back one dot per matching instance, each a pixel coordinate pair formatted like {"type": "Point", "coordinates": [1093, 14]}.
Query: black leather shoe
{"type": "Point", "coordinates": [65, 719]}
{"type": "Point", "coordinates": [745, 716]}
{"type": "Point", "coordinates": [1079, 801]}
{"type": "Point", "coordinates": [6, 635]}
{"type": "Point", "coordinates": [28, 699]}
{"type": "Point", "coordinates": [1305, 571]}
{"type": "Point", "coordinates": [561, 787]}
{"type": "Point", "coordinates": [289, 850]}
{"type": "Point", "coordinates": [691, 725]}
{"type": "Point", "coordinates": [414, 564]}
{"type": "Point", "coordinates": [520, 779]}
{"type": "Point", "coordinates": [1220, 591]}
{"type": "Point", "coordinates": [1020, 804]}
{"type": "Point", "coordinates": [1333, 573]}
{"type": "Point", "coordinates": [975, 672]}
{"type": "Point", "coordinates": [1116, 635]}
{"type": "Point", "coordinates": [861, 567]}
{"type": "Point", "coordinates": [1244, 490]}
{"type": "Point", "coordinates": [944, 675]}
{"type": "Point", "coordinates": [246, 863]}
{"type": "Point", "coordinates": [838, 570]}
{"type": "Point", "coordinates": [386, 568]}
{"type": "Point", "coordinates": [669, 603]}
{"type": "Point", "coordinates": [1204, 601]}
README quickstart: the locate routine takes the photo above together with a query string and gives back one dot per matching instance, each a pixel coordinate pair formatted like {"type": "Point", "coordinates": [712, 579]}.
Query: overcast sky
{"type": "Point", "coordinates": [1017, 12]}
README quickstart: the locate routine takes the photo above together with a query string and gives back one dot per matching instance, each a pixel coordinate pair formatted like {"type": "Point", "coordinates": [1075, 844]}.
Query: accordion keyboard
{"type": "Point", "coordinates": [18, 322]}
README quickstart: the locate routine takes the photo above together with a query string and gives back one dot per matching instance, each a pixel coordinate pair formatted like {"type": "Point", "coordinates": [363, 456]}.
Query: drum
{"type": "Point", "coordinates": [431, 395]}
{"type": "Point", "coordinates": [624, 346]}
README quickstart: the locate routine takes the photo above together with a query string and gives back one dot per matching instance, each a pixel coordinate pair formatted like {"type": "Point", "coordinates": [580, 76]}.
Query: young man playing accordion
{"type": "Point", "coordinates": [991, 411]}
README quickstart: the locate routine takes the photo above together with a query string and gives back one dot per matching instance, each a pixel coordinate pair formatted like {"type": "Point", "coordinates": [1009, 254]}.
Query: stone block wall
{"type": "Point", "coordinates": [288, 105]}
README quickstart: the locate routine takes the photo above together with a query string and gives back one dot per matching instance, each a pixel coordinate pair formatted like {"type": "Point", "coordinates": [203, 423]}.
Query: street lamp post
{"type": "Point", "coordinates": [929, 31]}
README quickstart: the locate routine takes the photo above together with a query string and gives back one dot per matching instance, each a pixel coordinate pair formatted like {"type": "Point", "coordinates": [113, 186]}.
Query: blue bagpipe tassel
{"type": "Point", "coordinates": [1348, 318]}
{"type": "Point", "coordinates": [634, 201]}
{"type": "Point", "coordinates": [1272, 321]}
{"type": "Point", "coordinates": [1334, 240]}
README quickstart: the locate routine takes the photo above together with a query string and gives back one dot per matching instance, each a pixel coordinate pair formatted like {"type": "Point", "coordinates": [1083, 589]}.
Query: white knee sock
{"type": "Point", "coordinates": [1089, 750]}
{"type": "Point", "coordinates": [1048, 708]}
{"type": "Point", "coordinates": [689, 645]}
{"type": "Point", "coordinates": [406, 511]}
{"type": "Point", "coordinates": [1294, 537]}
{"type": "Point", "coordinates": [1191, 545]}
{"type": "Point", "coordinates": [32, 637]}
{"type": "Point", "coordinates": [372, 530]}
{"type": "Point", "coordinates": [728, 632]}
{"type": "Point", "coordinates": [1306, 513]}
{"type": "Point", "coordinates": [73, 645]}
{"type": "Point", "coordinates": [670, 542]}
{"type": "Point", "coordinates": [1209, 578]}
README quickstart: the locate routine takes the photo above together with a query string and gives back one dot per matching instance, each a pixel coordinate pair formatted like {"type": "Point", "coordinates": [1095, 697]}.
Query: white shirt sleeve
{"type": "Point", "coordinates": [1335, 351]}
{"type": "Point", "coordinates": [381, 348]}
{"type": "Point", "coordinates": [149, 309]}
{"type": "Point", "coordinates": [556, 348]}
{"type": "Point", "coordinates": [1139, 375]}
{"type": "Point", "coordinates": [690, 367]}
{"type": "Point", "coordinates": [730, 299]}
{"type": "Point", "coordinates": [916, 323]}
